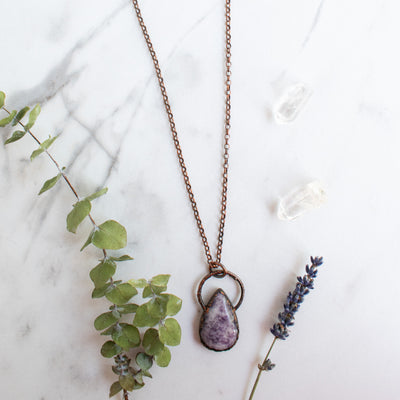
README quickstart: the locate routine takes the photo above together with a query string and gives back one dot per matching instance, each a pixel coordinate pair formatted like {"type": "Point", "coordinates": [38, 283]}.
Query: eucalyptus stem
{"type": "Point", "coordinates": [74, 191]}
{"type": "Point", "coordinates": [65, 177]}
{"type": "Point", "coordinates": [51, 158]}
{"type": "Point", "coordinates": [260, 370]}
{"type": "Point", "coordinates": [155, 314]}
{"type": "Point", "coordinates": [60, 170]}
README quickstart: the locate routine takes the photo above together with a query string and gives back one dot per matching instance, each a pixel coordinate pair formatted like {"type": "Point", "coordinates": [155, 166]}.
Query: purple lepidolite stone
{"type": "Point", "coordinates": [219, 328]}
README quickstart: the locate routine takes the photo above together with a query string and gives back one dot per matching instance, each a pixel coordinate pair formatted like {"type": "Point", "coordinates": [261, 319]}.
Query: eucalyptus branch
{"type": "Point", "coordinates": [60, 170]}
{"type": "Point", "coordinates": [111, 235]}
{"type": "Point", "coordinates": [48, 153]}
{"type": "Point", "coordinates": [286, 317]}
{"type": "Point", "coordinates": [69, 184]}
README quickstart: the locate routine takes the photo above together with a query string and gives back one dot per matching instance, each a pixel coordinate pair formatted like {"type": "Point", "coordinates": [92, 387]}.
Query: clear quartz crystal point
{"type": "Point", "coordinates": [292, 102]}
{"type": "Point", "coordinates": [301, 200]}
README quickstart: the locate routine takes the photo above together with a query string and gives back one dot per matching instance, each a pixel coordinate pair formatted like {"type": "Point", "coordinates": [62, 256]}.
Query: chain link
{"type": "Point", "coordinates": [175, 133]}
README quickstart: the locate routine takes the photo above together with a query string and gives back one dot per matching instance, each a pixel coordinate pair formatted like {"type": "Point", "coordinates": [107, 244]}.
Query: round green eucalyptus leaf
{"type": "Point", "coordinates": [128, 308]}
{"type": "Point", "coordinates": [151, 342]}
{"type": "Point", "coordinates": [144, 361]}
{"type": "Point", "coordinates": [48, 142]}
{"type": "Point", "coordinates": [120, 339]}
{"type": "Point", "coordinates": [139, 377]}
{"type": "Point", "coordinates": [115, 389]}
{"type": "Point", "coordinates": [163, 358]}
{"type": "Point", "coordinates": [132, 333]}
{"type": "Point", "coordinates": [143, 317]}
{"type": "Point", "coordinates": [127, 382]}
{"type": "Point", "coordinates": [158, 289]}
{"type": "Point", "coordinates": [125, 257]}
{"type": "Point", "coordinates": [20, 115]}
{"type": "Point", "coordinates": [121, 294]}
{"type": "Point", "coordinates": [2, 98]}
{"type": "Point", "coordinates": [147, 292]}
{"type": "Point", "coordinates": [44, 145]}
{"type": "Point", "coordinates": [100, 292]}
{"type": "Point", "coordinates": [110, 235]}
{"type": "Point", "coordinates": [15, 136]}
{"type": "Point", "coordinates": [160, 280]}
{"type": "Point", "coordinates": [33, 116]}
{"type": "Point", "coordinates": [138, 283]}
{"type": "Point", "coordinates": [37, 153]}
{"type": "Point", "coordinates": [80, 211]}
{"type": "Point", "coordinates": [110, 349]}
{"type": "Point", "coordinates": [109, 331]}
{"type": "Point", "coordinates": [5, 121]}
{"type": "Point", "coordinates": [157, 307]}
{"type": "Point", "coordinates": [170, 332]}
{"type": "Point", "coordinates": [105, 320]}
{"type": "Point", "coordinates": [138, 385]}
{"type": "Point", "coordinates": [126, 336]}
{"type": "Point", "coordinates": [174, 304]}
{"type": "Point", "coordinates": [88, 240]}
{"type": "Point", "coordinates": [147, 373]}
{"type": "Point", "coordinates": [97, 194]}
{"type": "Point", "coordinates": [50, 183]}
{"type": "Point", "coordinates": [101, 274]}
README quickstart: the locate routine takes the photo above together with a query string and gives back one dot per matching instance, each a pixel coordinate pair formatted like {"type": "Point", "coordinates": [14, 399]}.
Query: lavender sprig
{"type": "Point", "coordinates": [286, 317]}
{"type": "Point", "coordinates": [293, 301]}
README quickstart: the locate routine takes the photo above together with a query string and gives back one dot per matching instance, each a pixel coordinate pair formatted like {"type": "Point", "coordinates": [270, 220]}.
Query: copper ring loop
{"type": "Point", "coordinates": [217, 274]}
{"type": "Point", "coordinates": [221, 272]}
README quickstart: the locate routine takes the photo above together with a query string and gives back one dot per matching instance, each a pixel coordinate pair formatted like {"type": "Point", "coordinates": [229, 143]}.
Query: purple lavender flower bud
{"type": "Point", "coordinates": [303, 286]}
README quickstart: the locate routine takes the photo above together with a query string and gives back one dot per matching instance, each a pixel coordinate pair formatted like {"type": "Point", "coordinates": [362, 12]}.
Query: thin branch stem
{"type": "Point", "coordinates": [65, 177]}
{"type": "Point", "coordinates": [68, 182]}
{"type": "Point", "coordinates": [260, 371]}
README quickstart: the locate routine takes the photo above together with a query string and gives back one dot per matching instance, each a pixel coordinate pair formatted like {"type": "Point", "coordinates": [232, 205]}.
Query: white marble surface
{"type": "Point", "coordinates": [86, 62]}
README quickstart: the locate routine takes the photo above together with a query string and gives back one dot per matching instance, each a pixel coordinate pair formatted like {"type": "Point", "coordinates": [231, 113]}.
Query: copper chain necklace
{"type": "Point", "coordinates": [219, 329]}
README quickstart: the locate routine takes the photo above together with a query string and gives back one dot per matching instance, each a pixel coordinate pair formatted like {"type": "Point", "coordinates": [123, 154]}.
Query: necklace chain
{"type": "Point", "coordinates": [175, 133]}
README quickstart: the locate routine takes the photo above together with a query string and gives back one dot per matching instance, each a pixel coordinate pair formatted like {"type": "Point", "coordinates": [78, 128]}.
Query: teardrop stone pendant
{"type": "Point", "coordinates": [219, 328]}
